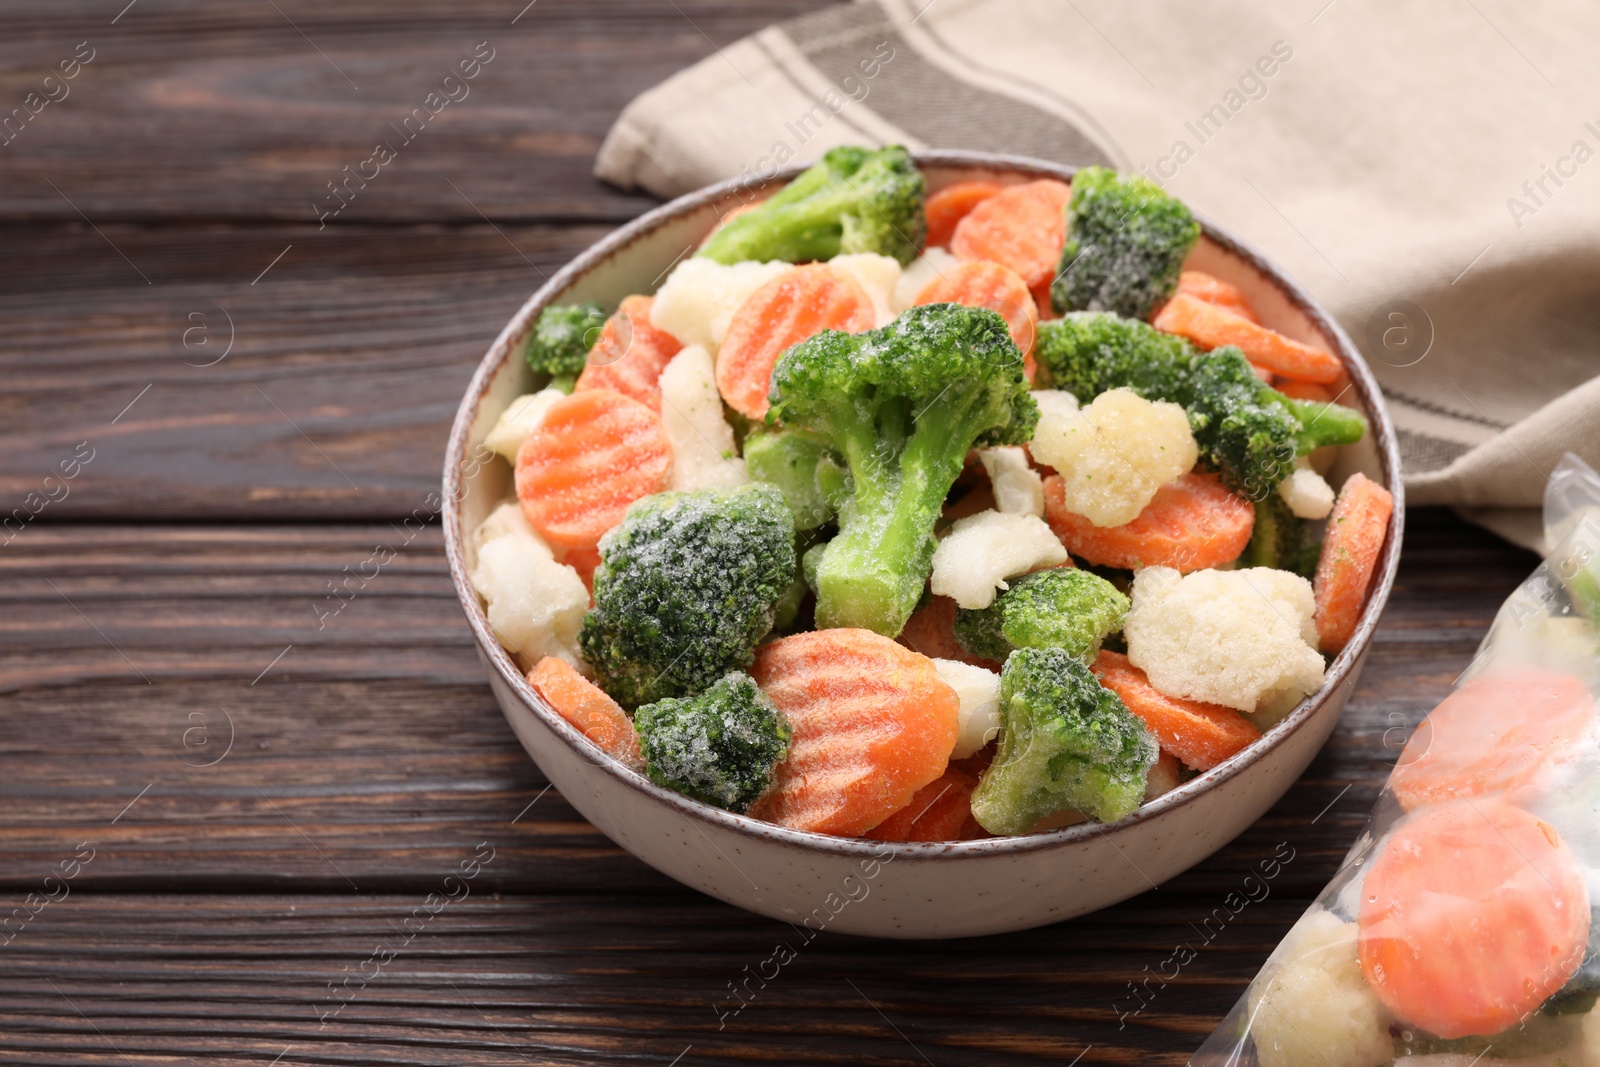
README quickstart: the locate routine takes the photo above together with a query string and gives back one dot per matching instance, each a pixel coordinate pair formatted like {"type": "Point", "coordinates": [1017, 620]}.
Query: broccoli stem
{"type": "Point", "coordinates": [1323, 424]}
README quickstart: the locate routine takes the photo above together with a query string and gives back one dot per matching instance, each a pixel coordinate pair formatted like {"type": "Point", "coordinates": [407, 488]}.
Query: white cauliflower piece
{"type": "Point", "coordinates": [877, 275]}
{"type": "Point", "coordinates": [1237, 638]}
{"type": "Point", "coordinates": [535, 605]}
{"type": "Point", "coordinates": [981, 551]}
{"type": "Point", "coordinates": [699, 297]}
{"type": "Point", "coordinates": [1307, 493]}
{"type": "Point", "coordinates": [703, 452]}
{"type": "Point", "coordinates": [1114, 454]}
{"type": "Point", "coordinates": [1311, 1005]}
{"type": "Point", "coordinates": [520, 418]}
{"type": "Point", "coordinates": [1055, 404]}
{"type": "Point", "coordinates": [978, 720]}
{"type": "Point", "coordinates": [1018, 489]}
{"type": "Point", "coordinates": [508, 518]}
{"type": "Point", "coordinates": [933, 263]}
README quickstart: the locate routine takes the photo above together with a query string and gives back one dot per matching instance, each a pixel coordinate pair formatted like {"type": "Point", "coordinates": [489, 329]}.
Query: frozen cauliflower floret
{"type": "Point", "coordinates": [703, 451]}
{"type": "Point", "coordinates": [981, 551]}
{"type": "Point", "coordinates": [505, 519]}
{"type": "Point", "coordinates": [925, 268]}
{"type": "Point", "coordinates": [1115, 453]}
{"type": "Point", "coordinates": [1311, 1005]}
{"type": "Point", "coordinates": [1055, 404]}
{"type": "Point", "coordinates": [699, 297]}
{"type": "Point", "coordinates": [1018, 489]}
{"type": "Point", "coordinates": [1306, 492]}
{"type": "Point", "coordinates": [979, 717]}
{"type": "Point", "coordinates": [520, 418]}
{"type": "Point", "coordinates": [535, 605]}
{"type": "Point", "coordinates": [1228, 637]}
{"type": "Point", "coordinates": [876, 274]}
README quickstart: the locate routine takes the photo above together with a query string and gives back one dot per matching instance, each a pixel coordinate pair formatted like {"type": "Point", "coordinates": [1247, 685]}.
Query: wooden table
{"type": "Point", "coordinates": [255, 796]}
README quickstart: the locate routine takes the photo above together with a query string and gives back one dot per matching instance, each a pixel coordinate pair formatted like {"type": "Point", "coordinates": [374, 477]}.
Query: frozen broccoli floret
{"type": "Point", "coordinates": [981, 551]}
{"type": "Point", "coordinates": [686, 586]}
{"type": "Point", "coordinates": [560, 341]}
{"type": "Point", "coordinates": [810, 560]}
{"type": "Point", "coordinates": [1063, 608]}
{"type": "Point", "coordinates": [1311, 1004]}
{"type": "Point", "coordinates": [534, 604]}
{"type": "Point", "coordinates": [903, 405]}
{"type": "Point", "coordinates": [1251, 433]}
{"type": "Point", "coordinates": [1281, 540]}
{"type": "Point", "coordinates": [805, 469]}
{"type": "Point", "coordinates": [1126, 242]}
{"type": "Point", "coordinates": [1065, 742]}
{"type": "Point", "coordinates": [720, 746]}
{"type": "Point", "coordinates": [855, 200]}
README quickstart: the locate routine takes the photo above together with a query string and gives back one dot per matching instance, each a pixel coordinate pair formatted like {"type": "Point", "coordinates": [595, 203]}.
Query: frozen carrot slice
{"type": "Point", "coordinates": [1041, 297]}
{"type": "Point", "coordinates": [950, 205]}
{"type": "Point", "coordinates": [584, 560]}
{"type": "Point", "coordinates": [595, 453]}
{"type": "Point", "coordinates": [980, 284]}
{"type": "Point", "coordinates": [1319, 394]}
{"type": "Point", "coordinates": [1192, 523]}
{"type": "Point", "coordinates": [939, 811]}
{"type": "Point", "coordinates": [1472, 914]}
{"type": "Point", "coordinates": [1022, 227]}
{"type": "Point", "coordinates": [587, 707]}
{"type": "Point", "coordinates": [1210, 326]}
{"type": "Point", "coordinates": [1201, 735]}
{"type": "Point", "coordinates": [873, 723]}
{"type": "Point", "coordinates": [787, 310]}
{"type": "Point", "coordinates": [1356, 529]}
{"type": "Point", "coordinates": [931, 631]}
{"type": "Point", "coordinates": [1213, 290]}
{"type": "Point", "coordinates": [630, 355]}
{"type": "Point", "coordinates": [1493, 735]}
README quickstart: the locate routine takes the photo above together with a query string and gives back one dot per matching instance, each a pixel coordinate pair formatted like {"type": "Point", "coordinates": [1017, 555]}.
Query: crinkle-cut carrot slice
{"type": "Point", "coordinates": [787, 310]}
{"type": "Point", "coordinates": [947, 207]}
{"type": "Point", "coordinates": [595, 453]}
{"type": "Point", "coordinates": [873, 723]}
{"type": "Point", "coordinates": [939, 811]}
{"type": "Point", "coordinates": [587, 707]}
{"type": "Point", "coordinates": [1356, 530]}
{"type": "Point", "coordinates": [630, 355]}
{"type": "Point", "coordinates": [1319, 394]}
{"type": "Point", "coordinates": [1192, 523]}
{"type": "Point", "coordinates": [1493, 735]}
{"type": "Point", "coordinates": [1473, 913]}
{"type": "Point", "coordinates": [1022, 227]}
{"type": "Point", "coordinates": [1210, 326]}
{"type": "Point", "coordinates": [1201, 735]}
{"type": "Point", "coordinates": [931, 631]}
{"type": "Point", "coordinates": [1213, 290]}
{"type": "Point", "coordinates": [980, 284]}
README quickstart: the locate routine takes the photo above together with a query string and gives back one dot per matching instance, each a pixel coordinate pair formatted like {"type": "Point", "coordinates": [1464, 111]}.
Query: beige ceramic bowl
{"type": "Point", "coordinates": [954, 889]}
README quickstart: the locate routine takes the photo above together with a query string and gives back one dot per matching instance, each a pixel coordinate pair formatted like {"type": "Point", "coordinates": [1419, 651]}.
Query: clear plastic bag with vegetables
{"type": "Point", "coordinates": [1461, 928]}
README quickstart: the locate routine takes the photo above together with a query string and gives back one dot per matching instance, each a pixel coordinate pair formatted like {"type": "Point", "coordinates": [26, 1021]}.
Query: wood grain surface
{"type": "Point", "coordinates": [270, 788]}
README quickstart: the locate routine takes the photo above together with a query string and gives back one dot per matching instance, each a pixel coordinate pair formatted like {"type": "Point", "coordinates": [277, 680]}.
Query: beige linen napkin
{"type": "Point", "coordinates": [1430, 170]}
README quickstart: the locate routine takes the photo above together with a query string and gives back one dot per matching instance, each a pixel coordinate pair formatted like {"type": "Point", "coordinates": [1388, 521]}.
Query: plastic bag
{"type": "Point", "coordinates": [1461, 930]}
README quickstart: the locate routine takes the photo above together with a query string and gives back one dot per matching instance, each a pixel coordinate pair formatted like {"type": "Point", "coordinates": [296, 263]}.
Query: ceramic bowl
{"type": "Point", "coordinates": [816, 882]}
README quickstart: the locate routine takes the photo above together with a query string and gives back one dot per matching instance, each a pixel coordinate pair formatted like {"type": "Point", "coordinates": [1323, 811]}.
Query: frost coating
{"type": "Point", "coordinates": [1115, 454]}
{"type": "Point", "coordinates": [931, 265]}
{"type": "Point", "coordinates": [518, 420]}
{"type": "Point", "coordinates": [981, 551]}
{"type": "Point", "coordinates": [534, 604]}
{"type": "Point", "coordinates": [720, 747]}
{"type": "Point", "coordinates": [1018, 489]}
{"type": "Point", "coordinates": [1311, 1004]}
{"type": "Point", "coordinates": [703, 452]}
{"type": "Point", "coordinates": [1308, 495]}
{"type": "Point", "coordinates": [979, 716]}
{"type": "Point", "coordinates": [1237, 638]}
{"type": "Point", "coordinates": [698, 299]}
{"type": "Point", "coordinates": [877, 275]}
{"type": "Point", "coordinates": [1063, 608]}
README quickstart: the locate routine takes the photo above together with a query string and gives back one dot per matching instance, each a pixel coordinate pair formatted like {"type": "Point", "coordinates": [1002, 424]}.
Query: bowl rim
{"type": "Point", "coordinates": [500, 662]}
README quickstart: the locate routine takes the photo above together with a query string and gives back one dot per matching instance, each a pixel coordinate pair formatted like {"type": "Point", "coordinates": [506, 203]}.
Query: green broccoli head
{"type": "Point", "coordinates": [1126, 243]}
{"type": "Point", "coordinates": [810, 474]}
{"type": "Point", "coordinates": [855, 200]}
{"type": "Point", "coordinates": [902, 405]}
{"type": "Point", "coordinates": [686, 586]}
{"type": "Point", "coordinates": [1063, 608]}
{"type": "Point", "coordinates": [1065, 742]}
{"type": "Point", "coordinates": [1281, 540]}
{"type": "Point", "coordinates": [560, 342]}
{"type": "Point", "coordinates": [719, 747]}
{"type": "Point", "coordinates": [1089, 352]}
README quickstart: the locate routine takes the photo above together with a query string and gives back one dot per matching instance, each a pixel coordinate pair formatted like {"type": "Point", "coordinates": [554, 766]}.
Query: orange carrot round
{"type": "Point", "coordinates": [939, 811]}
{"type": "Point", "coordinates": [1213, 290]}
{"type": "Point", "coordinates": [1472, 914]}
{"type": "Point", "coordinates": [1201, 735]}
{"type": "Point", "coordinates": [1192, 523]}
{"type": "Point", "coordinates": [1493, 735]}
{"type": "Point", "coordinates": [873, 723]}
{"type": "Point", "coordinates": [587, 707]}
{"type": "Point", "coordinates": [1319, 394]}
{"type": "Point", "coordinates": [787, 310]}
{"type": "Point", "coordinates": [1041, 297]}
{"type": "Point", "coordinates": [1356, 529]}
{"type": "Point", "coordinates": [950, 205]}
{"type": "Point", "coordinates": [595, 453]}
{"type": "Point", "coordinates": [1210, 326]}
{"type": "Point", "coordinates": [630, 355]}
{"type": "Point", "coordinates": [1022, 227]}
{"type": "Point", "coordinates": [980, 284]}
